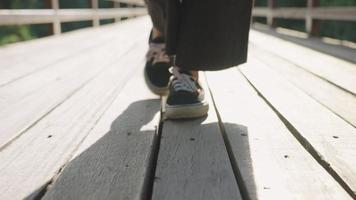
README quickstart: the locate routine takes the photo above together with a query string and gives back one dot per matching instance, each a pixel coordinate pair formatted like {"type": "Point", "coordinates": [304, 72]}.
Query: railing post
{"type": "Point", "coordinates": [95, 6]}
{"type": "Point", "coordinates": [271, 4]}
{"type": "Point", "coordinates": [56, 21]}
{"type": "Point", "coordinates": [311, 25]}
{"type": "Point", "coordinates": [117, 5]}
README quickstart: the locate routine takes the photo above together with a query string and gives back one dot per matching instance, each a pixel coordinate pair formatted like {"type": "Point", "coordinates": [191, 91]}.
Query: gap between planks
{"type": "Point", "coordinates": [27, 101]}
{"type": "Point", "coordinates": [270, 163]}
{"type": "Point", "coordinates": [81, 110]}
{"type": "Point", "coordinates": [57, 49]}
{"type": "Point", "coordinates": [193, 162]}
{"type": "Point", "coordinates": [312, 124]}
{"type": "Point", "coordinates": [339, 101]}
{"type": "Point", "coordinates": [337, 71]}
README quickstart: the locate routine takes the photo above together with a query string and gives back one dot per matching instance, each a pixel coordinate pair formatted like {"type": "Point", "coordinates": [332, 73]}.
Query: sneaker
{"type": "Point", "coordinates": [157, 67]}
{"type": "Point", "coordinates": [186, 98]}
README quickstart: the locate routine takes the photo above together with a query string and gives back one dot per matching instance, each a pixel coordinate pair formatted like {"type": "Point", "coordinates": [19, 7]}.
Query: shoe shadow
{"type": "Point", "coordinates": [120, 162]}
{"type": "Point", "coordinates": [120, 155]}
{"type": "Point", "coordinates": [196, 158]}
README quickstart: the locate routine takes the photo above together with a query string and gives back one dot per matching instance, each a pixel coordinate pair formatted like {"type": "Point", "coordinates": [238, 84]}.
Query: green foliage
{"type": "Point", "coordinates": [74, 4]}
{"type": "Point", "coordinates": [71, 26]}
{"type": "Point", "coordinates": [337, 2]}
{"type": "Point", "coordinates": [338, 29]}
{"type": "Point", "coordinates": [334, 29]}
{"type": "Point", "coordinates": [10, 34]}
{"type": "Point", "coordinates": [21, 4]}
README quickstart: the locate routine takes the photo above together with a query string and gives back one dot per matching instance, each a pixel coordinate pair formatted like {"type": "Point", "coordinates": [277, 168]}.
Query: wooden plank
{"type": "Point", "coordinates": [32, 160]}
{"type": "Point", "coordinates": [326, 136]}
{"type": "Point", "coordinates": [20, 60]}
{"type": "Point", "coordinates": [130, 2]}
{"type": "Point", "coordinates": [27, 101]}
{"type": "Point", "coordinates": [115, 160]}
{"type": "Point", "coordinates": [340, 48]}
{"type": "Point", "coordinates": [321, 13]}
{"type": "Point", "coordinates": [193, 162]}
{"type": "Point", "coordinates": [338, 101]}
{"type": "Point", "coordinates": [272, 164]}
{"type": "Point", "coordinates": [47, 43]}
{"type": "Point", "coordinates": [337, 71]}
{"type": "Point", "coordinates": [21, 49]}
{"type": "Point", "coordinates": [42, 16]}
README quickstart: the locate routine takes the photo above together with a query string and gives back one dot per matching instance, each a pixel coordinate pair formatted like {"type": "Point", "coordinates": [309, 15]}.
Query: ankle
{"type": "Point", "coordinates": [195, 74]}
{"type": "Point", "coordinates": [156, 33]}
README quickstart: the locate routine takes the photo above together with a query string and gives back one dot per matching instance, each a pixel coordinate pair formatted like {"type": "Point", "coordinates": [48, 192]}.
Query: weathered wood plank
{"type": "Point", "coordinates": [26, 101]}
{"type": "Point", "coordinates": [337, 71]}
{"type": "Point", "coordinates": [42, 16]}
{"type": "Point", "coordinates": [131, 2]}
{"type": "Point", "coordinates": [21, 60]}
{"type": "Point", "coordinates": [339, 48]}
{"type": "Point", "coordinates": [193, 162]}
{"type": "Point", "coordinates": [326, 136]}
{"type": "Point", "coordinates": [33, 159]}
{"type": "Point", "coordinates": [323, 13]}
{"type": "Point", "coordinates": [115, 160]}
{"type": "Point", "coordinates": [272, 164]}
{"type": "Point", "coordinates": [340, 102]}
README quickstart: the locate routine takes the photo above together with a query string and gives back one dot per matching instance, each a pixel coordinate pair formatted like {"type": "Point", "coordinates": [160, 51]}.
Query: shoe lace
{"type": "Point", "coordinates": [157, 53]}
{"type": "Point", "coordinates": [182, 81]}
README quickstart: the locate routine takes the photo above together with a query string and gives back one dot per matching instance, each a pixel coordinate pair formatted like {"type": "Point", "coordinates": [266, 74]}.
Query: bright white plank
{"type": "Point", "coordinates": [28, 100]}
{"type": "Point", "coordinates": [42, 16]}
{"type": "Point", "coordinates": [337, 100]}
{"type": "Point", "coordinates": [34, 158]}
{"type": "Point", "coordinates": [332, 139]}
{"type": "Point", "coordinates": [337, 71]}
{"type": "Point", "coordinates": [21, 60]}
{"type": "Point", "coordinates": [272, 163]}
{"type": "Point", "coordinates": [193, 162]}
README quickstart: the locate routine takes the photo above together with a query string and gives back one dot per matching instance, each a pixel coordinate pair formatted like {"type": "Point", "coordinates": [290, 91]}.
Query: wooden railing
{"type": "Point", "coordinates": [56, 15]}
{"type": "Point", "coordinates": [311, 14]}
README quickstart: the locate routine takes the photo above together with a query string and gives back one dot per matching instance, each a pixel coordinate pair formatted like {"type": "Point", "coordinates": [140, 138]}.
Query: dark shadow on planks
{"type": "Point", "coordinates": [117, 166]}
{"type": "Point", "coordinates": [189, 164]}
{"type": "Point", "coordinates": [101, 172]}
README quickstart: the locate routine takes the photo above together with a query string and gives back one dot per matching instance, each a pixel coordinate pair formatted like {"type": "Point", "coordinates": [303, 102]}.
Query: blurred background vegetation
{"type": "Point", "coordinates": [344, 30]}
{"type": "Point", "coordinates": [9, 34]}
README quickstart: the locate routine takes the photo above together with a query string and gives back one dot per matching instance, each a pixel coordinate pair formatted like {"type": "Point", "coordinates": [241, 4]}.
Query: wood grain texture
{"type": "Point", "coordinates": [23, 59]}
{"type": "Point", "coordinates": [329, 138]}
{"type": "Point", "coordinates": [272, 164]}
{"type": "Point", "coordinates": [337, 71]}
{"type": "Point", "coordinates": [340, 102]}
{"type": "Point", "coordinates": [34, 158]}
{"type": "Point", "coordinates": [42, 16]}
{"type": "Point", "coordinates": [338, 48]}
{"type": "Point", "coordinates": [27, 100]}
{"type": "Point", "coordinates": [323, 13]}
{"type": "Point", "coordinates": [193, 162]}
{"type": "Point", "coordinates": [115, 160]}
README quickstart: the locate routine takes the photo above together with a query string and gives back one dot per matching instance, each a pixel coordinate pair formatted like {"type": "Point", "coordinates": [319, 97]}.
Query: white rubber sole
{"type": "Point", "coordinates": [161, 91]}
{"type": "Point", "coordinates": [186, 111]}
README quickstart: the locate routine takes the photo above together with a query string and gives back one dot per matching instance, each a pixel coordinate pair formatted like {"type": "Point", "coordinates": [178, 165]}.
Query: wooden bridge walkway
{"type": "Point", "coordinates": [77, 122]}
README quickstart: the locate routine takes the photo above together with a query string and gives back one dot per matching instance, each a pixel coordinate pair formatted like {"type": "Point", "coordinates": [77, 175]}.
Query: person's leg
{"type": "Point", "coordinates": [157, 61]}
{"type": "Point", "coordinates": [157, 12]}
{"type": "Point", "coordinates": [185, 94]}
